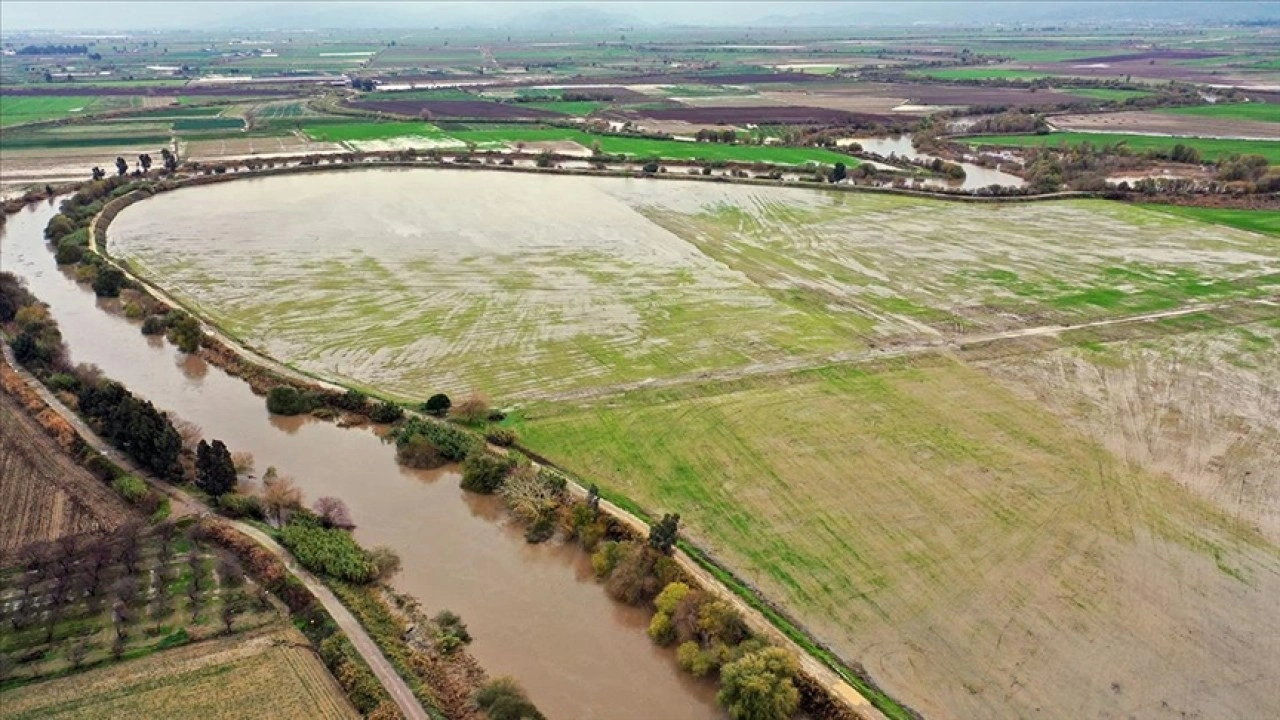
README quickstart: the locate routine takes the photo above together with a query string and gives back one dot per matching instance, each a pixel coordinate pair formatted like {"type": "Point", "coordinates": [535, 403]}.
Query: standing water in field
{"type": "Point", "coordinates": [535, 610]}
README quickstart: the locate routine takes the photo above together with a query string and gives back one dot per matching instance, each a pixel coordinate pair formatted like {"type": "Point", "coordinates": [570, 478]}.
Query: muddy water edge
{"type": "Point", "coordinates": [535, 610]}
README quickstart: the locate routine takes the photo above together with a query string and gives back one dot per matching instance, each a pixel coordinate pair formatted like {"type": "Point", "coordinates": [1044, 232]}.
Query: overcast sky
{"type": "Point", "coordinates": [19, 15]}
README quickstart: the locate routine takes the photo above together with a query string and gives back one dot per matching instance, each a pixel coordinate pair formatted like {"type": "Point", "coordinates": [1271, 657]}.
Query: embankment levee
{"type": "Point", "coordinates": [844, 685]}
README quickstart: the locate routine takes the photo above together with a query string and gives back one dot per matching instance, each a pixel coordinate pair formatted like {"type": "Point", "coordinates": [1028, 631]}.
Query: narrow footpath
{"type": "Point", "coordinates": [183, 504]}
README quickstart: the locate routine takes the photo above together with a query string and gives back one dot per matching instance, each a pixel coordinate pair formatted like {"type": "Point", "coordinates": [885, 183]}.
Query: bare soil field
{"type": "Point", "coordinates": [939, 94]}
{"type": "Point", "coordinates": [43, 494]}
{"type": "Point", "coordinates": [273, 673]}
{"type": "Point", "coordinates": [1155, 123]}
{"type": "Point", "coordinates": [19, 168]}
{"type": "Point", "coordinates": [871, 104]}
{"type": "Point", "coordinates": [209, 150]}
{"type": "Point", "coordinates": [1151, 55]}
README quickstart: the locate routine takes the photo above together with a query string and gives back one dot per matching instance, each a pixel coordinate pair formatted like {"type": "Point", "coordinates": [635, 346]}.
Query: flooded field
{"type": "Point", "coordinates": [790, 370]}
{"type": "Point", "coordinates": [535, 610]}
{"type": "Point", "coordinates": [523, 287]}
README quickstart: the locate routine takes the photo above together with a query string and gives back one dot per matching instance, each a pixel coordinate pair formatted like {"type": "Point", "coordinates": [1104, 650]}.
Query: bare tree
{"type": "Point", "coordinates": [190, 433]}
{"type": "Point", "coordinates": [280, 496]}
{"type": "Point", "coordinates": [234, 604]}
{"type": "Point", "coordinates": [243, 462]}
{"type": "Point", "coordinates": [230, 572]}
{"type": "Point", "coordinates": [333, 513]}
{"type": "Point", "coordinates": [386, 561]}
{"type": "Point", "coordinates": [474, 409]}
{"type": "Point", "coordinates": [76, 651]}
{"type": "Point", "coordinates": [527, 494]}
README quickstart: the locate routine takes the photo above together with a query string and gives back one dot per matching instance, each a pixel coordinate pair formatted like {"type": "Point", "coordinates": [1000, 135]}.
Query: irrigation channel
{"type": "Point", "coordinates": [535, 610]}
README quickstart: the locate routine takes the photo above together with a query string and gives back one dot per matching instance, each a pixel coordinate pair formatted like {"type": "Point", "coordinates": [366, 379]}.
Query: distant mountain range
{"type": "Point", "coordinates": [551, 16]}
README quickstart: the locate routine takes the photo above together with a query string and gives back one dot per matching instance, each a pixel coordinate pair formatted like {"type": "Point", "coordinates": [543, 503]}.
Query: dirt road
{"type": "Point", "coordinates": [183, 505]}
{"type": "Point", "coordinates": [861, 356]}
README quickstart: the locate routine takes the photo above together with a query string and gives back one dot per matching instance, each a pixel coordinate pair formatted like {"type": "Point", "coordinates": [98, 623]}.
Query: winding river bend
{"type": "Point", "coordinates": [535, 611]}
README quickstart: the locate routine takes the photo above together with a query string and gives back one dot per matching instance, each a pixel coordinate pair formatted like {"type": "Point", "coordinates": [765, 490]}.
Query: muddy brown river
{"type": "Point", "coordinates": [535, 610]}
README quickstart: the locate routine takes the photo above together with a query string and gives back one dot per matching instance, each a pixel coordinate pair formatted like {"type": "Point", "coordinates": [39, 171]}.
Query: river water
{"type": "Point", "coordinates": [535, 610]}
{"type": "Point", "coordinates": [975, 177]}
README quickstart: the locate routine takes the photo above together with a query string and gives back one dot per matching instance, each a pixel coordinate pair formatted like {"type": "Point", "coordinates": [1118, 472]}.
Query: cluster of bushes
{"type": "Point", "coordinates": [333, 551]}
{"type": "Point", "coordinates": [424, 443]}
{"type": "Point", "coordinates": [289, 400]}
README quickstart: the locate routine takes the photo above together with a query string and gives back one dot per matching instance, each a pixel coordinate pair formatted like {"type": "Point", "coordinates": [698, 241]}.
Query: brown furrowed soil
{"type": "Point", "coordinates": [268, 674]}
{"type": "Point", "coordinates": [43, 494]}
{"type": "Point", "coordinates": [1167, 124]}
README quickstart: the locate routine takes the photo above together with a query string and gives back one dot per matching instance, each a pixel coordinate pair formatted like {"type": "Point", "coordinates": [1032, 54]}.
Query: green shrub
{"type": "Point", "coordinates": [185, 332]}
{"type": "Point", "coordinates": [68, 252]}
{"type": "Point", "coordinates": [484, 472]}
{"type": "Point", "coordinates": [451, 442]}
{"type": "Point", "coordinates": [386, 412]}
{"type": "Point", "coordinates": [419, 452]}
{"type": "Point", "coordinates": [328, 551]}
{"type": "Point", "coordinates": [134, 490]}
{"type": "Point", "coordinates": [241, 506]}
{"type": "Point", "coordinates": [352, 401]}
{"type": "Point", "coordinates": [697, 661]}
{"type": "Point", "coordinates": [288, 400]}
{"type": "Point", "coordinates": [154, 325]}
{"type": "Point", "coordinates": [503, 699]}
{"type": "Point", "coordinates": [108, 282]}
{"type": "Point", "coordinates": [759, 686]}
{"type": "Point", "coordinates": [661, 631]}
{"type": "Point", "coordinates": [63, 381]}
{"type": "Point", "coordinates": [437, 405]}
{"type": "Point", "coordinates": [605, 558]}
{"type": "Point", "coordinates": [502, 436]}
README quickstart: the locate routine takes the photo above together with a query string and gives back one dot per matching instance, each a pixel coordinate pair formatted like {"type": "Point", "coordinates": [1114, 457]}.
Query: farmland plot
{"type": "Point", "coordinates": [525, 288]}
{"type": "Point", "coordinates": [43, 494]}
{"type": "Point", "coordinates": [711, 349]}
{"type": "Point", "coordinates": [270, 673]}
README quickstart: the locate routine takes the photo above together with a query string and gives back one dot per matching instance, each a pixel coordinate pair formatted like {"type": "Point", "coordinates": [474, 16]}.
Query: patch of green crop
{"type": "Point", "coordinates": [1260, 221]}
{"type": "Point", "coordinates": [1209, 148]}
{"type": "Point", "coordinates": [1251, 111]}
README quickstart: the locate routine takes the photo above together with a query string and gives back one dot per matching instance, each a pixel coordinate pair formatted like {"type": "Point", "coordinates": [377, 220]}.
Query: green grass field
{"type": "Point", "coordinates": [636, 147]}
{"type": "Point", "coordinates": [1210, 148]}
{"type": "Point", "coordinates": [1112, 94]}
{"type": "Point", "coordinates": [1257, 112]}
{"type": "Point", "coordinates": [1262, 221]}
{"type": "Point", "coordinates": [16, 109]}
{"type": "Point", "coordinates": [980, 73]}
{"type": "Point", "coordinates": [208, 123]}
